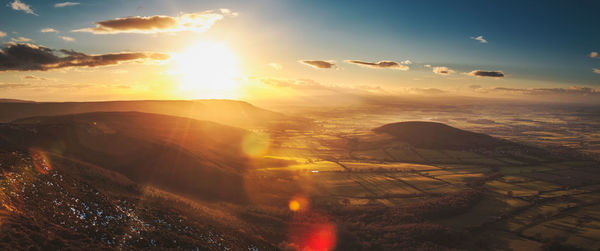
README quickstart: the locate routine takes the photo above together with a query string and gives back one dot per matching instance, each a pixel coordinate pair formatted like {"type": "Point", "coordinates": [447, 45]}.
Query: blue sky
{"type": "Point", "coordinates": [534, 43]}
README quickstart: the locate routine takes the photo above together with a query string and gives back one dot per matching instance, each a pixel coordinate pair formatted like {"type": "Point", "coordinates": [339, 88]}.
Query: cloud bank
{"type": "Point", "coordinates": [380, 64]}
{"type": "Point", "coordinates": [196, 22]}
{"type": "Point", "coordinates": [492, 74]}
{"type": "Point", "coordinates": [28, 57]}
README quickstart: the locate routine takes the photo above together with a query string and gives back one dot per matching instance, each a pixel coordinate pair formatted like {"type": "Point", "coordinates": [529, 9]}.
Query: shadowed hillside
{"type": "Point", "coordinates": [229, 112]}
{"type": "Point", "coordinates": [178, 154]}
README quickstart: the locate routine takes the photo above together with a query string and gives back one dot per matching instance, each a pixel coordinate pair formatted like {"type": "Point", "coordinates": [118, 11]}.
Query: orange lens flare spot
{"type": "Point", "coordinates": [294, 205]}
{"type": "Point", "coordinates": [298, 203]}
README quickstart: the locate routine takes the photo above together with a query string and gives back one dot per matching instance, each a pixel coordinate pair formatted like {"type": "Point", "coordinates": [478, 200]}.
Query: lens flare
{"type": "Point", "coordinates": [298, 203]}
{"type": "Point", "coordinates": [294, 205]}
{"type": "Point", "coordinates": [256, 144]}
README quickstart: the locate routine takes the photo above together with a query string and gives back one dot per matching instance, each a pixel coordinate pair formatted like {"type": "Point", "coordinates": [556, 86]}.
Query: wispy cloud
{"type": "Point", "coordinates": [275, 66]}
{"type": "Point", "coordinates": [480, 73]}
{"type": "Point", "coordinates": [34, 78]}
{"type": "Point", "coordinates": [6, 86]}
{"type": "Point", "coordinates": [597, 71]}
{"type": "Point", "coordinates": [196, 22]}
{"type": "Point", "coordinates": [20, 6]}
{"type": "Point", "coordinates": [46, 30]}
{"type": "Point", "coordinates": [380, 64]}
{"type": "Point", "coordinates": [406, 62]}
{"type": "Point", "coordinates": [2, 34]}
{"type": "Point", "coordinates": [65, 4]}
{"type": "Point", "coordinates": [573, 90]}
{"type": "Point", "coordinates": [427, 66]}
{"type": "Point", "coordinates": [28, 57]}
{"type": "Point", "coordinates": [319, 64]}
{"type": "Point", "coordinates": [20, 39]}
{"type": "Point", "coordinates": [442, 70]}
{"type": "Point", "coordinates": [480, 39]}
{"type": "Point", "coordinates": [68, 39]}
{"type": "Point", "coordinates": [594, 54]}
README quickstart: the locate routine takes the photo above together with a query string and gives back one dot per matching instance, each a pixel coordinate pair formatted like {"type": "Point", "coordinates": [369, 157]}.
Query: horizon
{"type": "Point", "coordinates": [144, 50]}
{"type": "Point", "coordinates": [299, 125]}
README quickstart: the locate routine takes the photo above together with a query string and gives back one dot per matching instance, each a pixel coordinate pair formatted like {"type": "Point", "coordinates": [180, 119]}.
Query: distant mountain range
{"type": "Point", "coordinates": [228, 112]}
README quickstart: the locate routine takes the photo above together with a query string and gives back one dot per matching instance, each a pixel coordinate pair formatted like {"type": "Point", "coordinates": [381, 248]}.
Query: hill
{"type": "Point", "coordinates": [178, 154]}
{"type": "Point", "coordinates": [229, 112]}
{"type": "Point", "coordinates": [434, 135]}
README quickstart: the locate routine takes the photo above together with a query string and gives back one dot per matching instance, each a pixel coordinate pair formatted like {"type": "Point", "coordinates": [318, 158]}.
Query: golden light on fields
{"type": "Point", "coordinates": [207, 70]}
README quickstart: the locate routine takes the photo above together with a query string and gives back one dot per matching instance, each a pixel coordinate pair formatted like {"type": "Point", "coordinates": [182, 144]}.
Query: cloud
{"type": "Point", "coordinates": [573, 90]}
{"type": "Point", "coordinates": [68, 39]}
{"type": "Point", "coordinates": [319, 64]}
{"type": "Point", "coordinates": [65, 4]}
{"type": "Point", "coordinates": [493, 74]}
{"type": "Point", "coordinates": [430, 91]}
{"type": "Point", "coordinates": [18, 5]}
{"type": "Point", "coordinates": [380, 64]}
{"type": "Point", "coordinates": [427, 66]}
{"type": "Point", "coordinates": [28, 57]}
{"type": "Point", "coordinates": [35, 78]}
{"type": "Point", "coordinates": [20, 39]}
{"type": "Point", "coordinates": [275, 66]}
{"type": "Point", "coordinates": [442, 70]}
{"type": "Point", "coordinates": [475, 86]}
{"type": "Point", "coordinates": [594, 54]}
{"type": "Point", "coordinates": [300, 84]}
{"type": "Point", "coordinates": [2, 34]}
{"type": "Point", "coordinates": [406, 62]}
{"type": "Point", "coordinates": [597, 71]}
{"type": "Point", "coordinates": [309, 86]}
{"type": "Point", "coordinates": [197, 22]}
{"type": "Point", "coordinates": [5, 86]}
{"type": "Point", "coordinates": [46, 30]}
{"type": "Point", "coordinates": [480, 39]}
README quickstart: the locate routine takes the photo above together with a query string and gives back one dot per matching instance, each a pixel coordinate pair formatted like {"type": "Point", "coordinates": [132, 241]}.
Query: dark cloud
{"type": "Point", "coordinates": [319, 64]}
{"type": "Point", "coordinates": [380, 64]}
{"type": "Point", "coordinates": [28, 57]}
{"type": "Point", "coordinates": [493, 74]}
{"type": "Point", "coordinates": [198, 22]}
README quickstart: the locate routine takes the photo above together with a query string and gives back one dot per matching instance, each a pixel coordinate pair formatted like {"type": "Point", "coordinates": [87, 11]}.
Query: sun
{"type": "Point", "coordinates": [207, 70]}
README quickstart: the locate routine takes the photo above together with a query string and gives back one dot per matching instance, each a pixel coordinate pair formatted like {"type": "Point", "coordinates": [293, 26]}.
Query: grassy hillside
{"type": "Point", "coordinates": [179, 154]}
